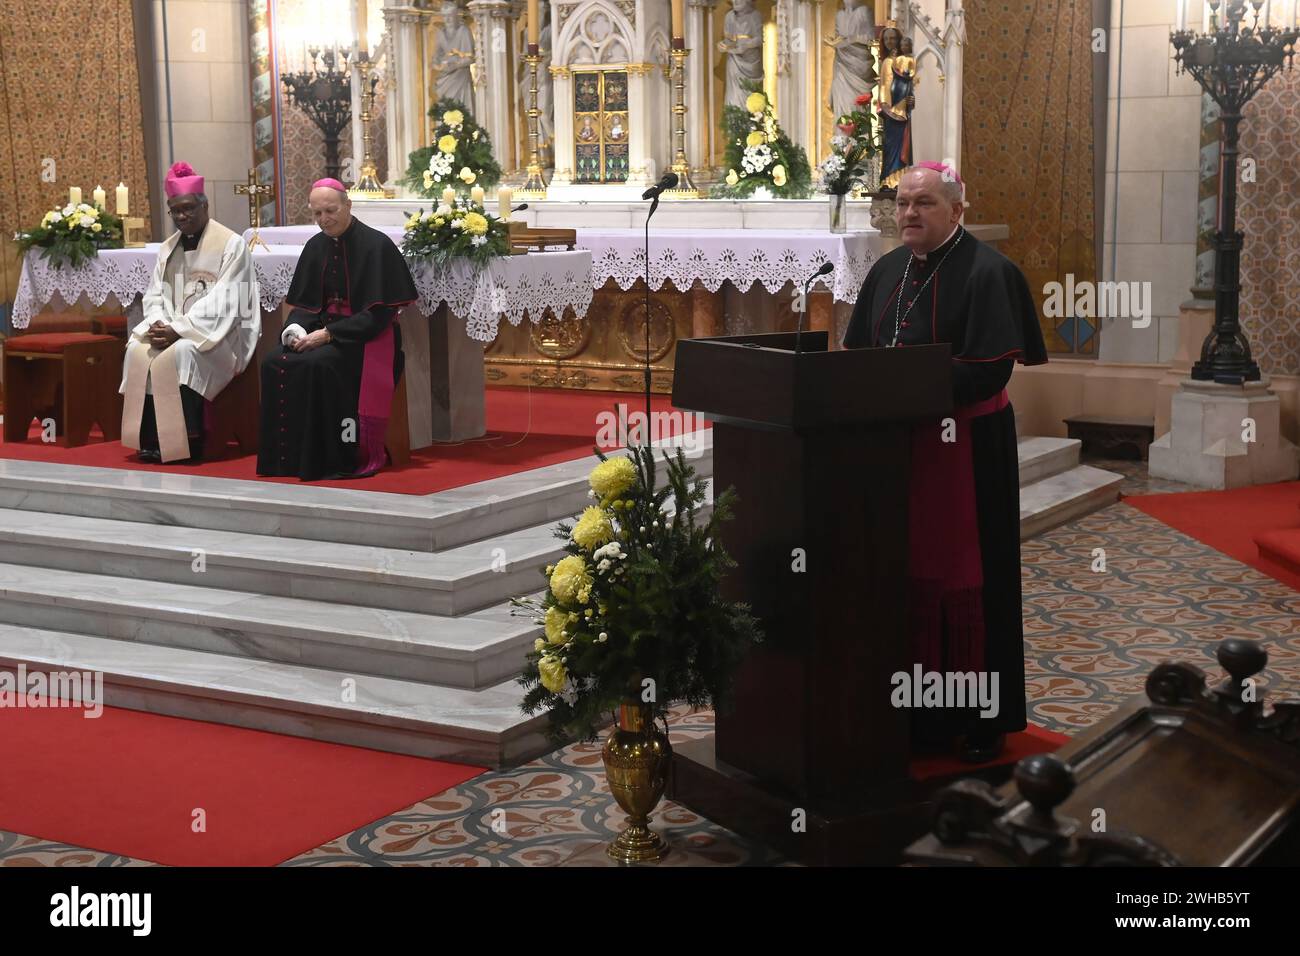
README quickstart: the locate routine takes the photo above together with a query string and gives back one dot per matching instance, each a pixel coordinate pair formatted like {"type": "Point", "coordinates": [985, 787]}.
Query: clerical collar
{"type": "Point", "coordinates": [190, 243]}
{"type": "Point", "coordinates": [941, 247]}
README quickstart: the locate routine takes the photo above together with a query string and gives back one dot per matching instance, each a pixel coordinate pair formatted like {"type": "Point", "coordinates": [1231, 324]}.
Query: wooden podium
{"type": "Point", "coordinates": [817, 446]}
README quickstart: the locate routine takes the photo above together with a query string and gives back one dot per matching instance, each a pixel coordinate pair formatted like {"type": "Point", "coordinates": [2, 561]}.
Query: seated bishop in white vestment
{"type": "Point", "coordinates": [200, 329]}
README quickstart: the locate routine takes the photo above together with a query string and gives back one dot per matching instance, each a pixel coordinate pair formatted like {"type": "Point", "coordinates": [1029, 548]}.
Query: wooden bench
{"type": "Point", "coordinates": [1113, 436]}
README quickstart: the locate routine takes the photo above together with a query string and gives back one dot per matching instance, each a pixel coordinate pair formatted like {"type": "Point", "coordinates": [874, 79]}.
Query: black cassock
{"type": "Point", "coordinates": [354, 286]}
{"type": "Point", "coordinates": [964, 594]}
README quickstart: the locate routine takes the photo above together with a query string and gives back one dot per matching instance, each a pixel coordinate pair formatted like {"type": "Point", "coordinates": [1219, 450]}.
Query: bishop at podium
{"type": "Point", "coordinates": [964, 601]}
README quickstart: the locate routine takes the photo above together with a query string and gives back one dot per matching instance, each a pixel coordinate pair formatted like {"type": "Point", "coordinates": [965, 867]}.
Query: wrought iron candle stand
{"type": "Point", "coordinates": [324, 92]}
{"type": "Point", "coordinates": [1231, 63]}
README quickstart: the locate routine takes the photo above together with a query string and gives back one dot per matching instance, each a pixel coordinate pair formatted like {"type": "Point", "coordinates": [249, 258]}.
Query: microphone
{"type": "Point", "coordinates": [520, 208]}
{"type": "Point", "coordinates": [668, 182]}
{"type": "Point", "coordinates": [826, 268]}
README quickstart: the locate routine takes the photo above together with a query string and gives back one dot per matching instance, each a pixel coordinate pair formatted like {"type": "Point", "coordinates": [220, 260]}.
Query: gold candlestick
{"type": "Point", "coordinates": [535, 187]}
{"type": "Point", "coordinates": [367, 185]}
{"type": "Point", "coordinates": [685, 189]}
{"type": "Point", "coordinates": [254, 190]}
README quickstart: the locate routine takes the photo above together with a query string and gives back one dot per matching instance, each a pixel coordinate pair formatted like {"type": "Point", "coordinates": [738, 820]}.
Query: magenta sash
{"type": "Point", "coordinates": [375, 401]}
{"type": "Point", "coordinates": [945, 571]}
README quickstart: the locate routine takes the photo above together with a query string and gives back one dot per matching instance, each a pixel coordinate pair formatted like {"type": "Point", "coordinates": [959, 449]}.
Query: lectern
{"type": "Point", "coordinates": [817, 446]}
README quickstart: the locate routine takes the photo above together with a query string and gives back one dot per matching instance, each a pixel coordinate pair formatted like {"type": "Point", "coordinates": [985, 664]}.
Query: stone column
{"type": "Point", "coordinates": [954, 47]}
{"type": "Point", "coordinates": [406, 72]}
{"type": "Point", "coordinates": [699, 87]}
{"type": "Point", "coordinates": [792, 99]}
{"type": "Point", "coordinates": [493, 101]}
{"type": "Point", "coordinates": [563, 146]}
{"type": "Point", "coordinates": [639, 124]}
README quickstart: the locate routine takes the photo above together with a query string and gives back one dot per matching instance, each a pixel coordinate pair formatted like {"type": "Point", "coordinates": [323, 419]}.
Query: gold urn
{"type": "Point", "coordinates": [637, 756]}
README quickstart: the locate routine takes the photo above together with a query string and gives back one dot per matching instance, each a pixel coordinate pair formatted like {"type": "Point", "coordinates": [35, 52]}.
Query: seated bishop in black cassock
{"type": "Point", "coordinates": [327, 391]}
{"type": "Point", "coordinates": [944, 285]}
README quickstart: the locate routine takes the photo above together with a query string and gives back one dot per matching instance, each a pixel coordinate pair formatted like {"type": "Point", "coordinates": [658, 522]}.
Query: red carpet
{"type": "Point", "coordinates": [1031, 740]}
{"type": "Point", "coordinates": [129, 782]}
{"type": "Point", "coordinates": [1230, 521]}
{"type": "Point", "coordinates": [526, 428]}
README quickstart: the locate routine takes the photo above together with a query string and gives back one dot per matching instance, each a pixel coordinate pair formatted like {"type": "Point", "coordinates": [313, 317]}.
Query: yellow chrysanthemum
{"type": "Point", "coordinates": [476, 223]}
{"type": "Point", "coordinates": [439, 222]}
{"type": "Point", "coordinates": [778, 175]}
{"type": "Point", "coordinates": [593, 529]}
{"type": "Point", "coordinates": [539, 644]}
{"type": "Point", "coordinates": [453, 118]}
{"type": "Point", "coordinates": [96, 228]}
{"type": "Point", "coordinates": [553, 673]}
{"type": "Point", "coordinates": [413, 220]}
{"type": "Point", "coordinates": [755, 102]}
{"type": "Point", "coordinates": [570, 580]}
{"type": "Point", "coordinates": [755, 139]}
{"type": "Point", "coordinates": [732, 178]}
{"type": "Point", "coordinates": [467, 175]}
{"type": "Point", "coordinates": [556, 618]}
{"type": "Point", "coordinates": [612, 477]}
{"type": "Point", "coordinates": [447, 144]}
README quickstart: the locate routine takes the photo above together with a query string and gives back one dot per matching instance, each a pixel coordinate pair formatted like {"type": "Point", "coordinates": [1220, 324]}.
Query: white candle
{"type": "Point", "coordinates": [1290, 17]}
{"type": "Point", "coordinates": [534, 23]}
{"type": "Point", "coordinates": [1181, 23]}
{"type": "Point", "coordinates": [362, 27]}
{"type": "Point", "coordinates": [503, 202]}
{"type": "Point", "coordinates": [74, 194]}
{"type": "Point", "coordinates": [1263, 13]}
{"type": "Point", "coordinates": [123, 206]}
{"type": "Point", "coordinates": [449, 195]}
{"type": "Point", "coordinates": [101, 197]}
{"type": "Point", "coordinates": [476, 195]}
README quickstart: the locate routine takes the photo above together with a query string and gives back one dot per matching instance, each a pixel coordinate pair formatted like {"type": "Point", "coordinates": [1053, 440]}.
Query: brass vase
{"type": "Point", "coordinates": [637, 757]}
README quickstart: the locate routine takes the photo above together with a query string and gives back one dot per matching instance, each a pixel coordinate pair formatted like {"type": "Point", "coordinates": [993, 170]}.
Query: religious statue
{"type": "Point", "coordinates": [742, 41]}
{"type": "Point", "coordinates": [453, 53]}
{"type": "Point", "coordinates": [897, 82]}
{"type": "Point", "coordinates": [855, 28]}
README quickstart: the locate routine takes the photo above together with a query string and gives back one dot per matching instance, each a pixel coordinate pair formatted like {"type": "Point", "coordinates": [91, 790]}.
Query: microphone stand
{"type": "Point", "coordinates": [653, 206]}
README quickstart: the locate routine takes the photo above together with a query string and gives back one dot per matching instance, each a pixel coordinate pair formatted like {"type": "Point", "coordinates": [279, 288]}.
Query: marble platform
{"type": "Point", "coordinates": [259, 604]}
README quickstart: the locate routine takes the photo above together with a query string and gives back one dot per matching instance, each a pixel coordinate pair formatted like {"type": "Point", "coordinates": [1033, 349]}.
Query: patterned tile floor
{"type": "Point", "coordinates": [1106, 598]}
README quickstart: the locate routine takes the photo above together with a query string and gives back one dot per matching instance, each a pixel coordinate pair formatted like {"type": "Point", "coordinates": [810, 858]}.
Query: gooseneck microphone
{"type": "Point", "coordinates": [826, 268]}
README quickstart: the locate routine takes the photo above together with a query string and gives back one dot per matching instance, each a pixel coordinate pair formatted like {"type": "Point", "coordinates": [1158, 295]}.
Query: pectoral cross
{"type": "Point", "coordinates": [254, 190]}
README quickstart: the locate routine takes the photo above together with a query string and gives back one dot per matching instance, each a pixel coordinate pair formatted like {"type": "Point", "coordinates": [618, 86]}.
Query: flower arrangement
{"type": "Point", "coordinates": [464, 229]}
{"type": "Point", "coordinates": [72, 234]}
{"type": "Point", "coordinates": [460, 157]}
{"type": "Point", "coordinates": [856, 140]}
{"type": "Point", "coordinates": [634, 611]}
{"type": "Point", "coordinates": [760, 155]}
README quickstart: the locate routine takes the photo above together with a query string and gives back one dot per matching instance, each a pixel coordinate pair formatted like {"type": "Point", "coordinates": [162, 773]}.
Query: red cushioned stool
{"type": "Point", "coordinates": [233, 416]}
{"type": "Point", "coordinates": [71, 377]}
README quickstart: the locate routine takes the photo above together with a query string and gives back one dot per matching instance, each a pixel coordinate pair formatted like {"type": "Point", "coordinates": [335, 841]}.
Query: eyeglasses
{"type": "Point", "coordinates": [182, 212]}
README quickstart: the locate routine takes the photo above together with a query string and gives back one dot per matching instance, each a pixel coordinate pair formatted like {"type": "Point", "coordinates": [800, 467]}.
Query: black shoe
{"type": "Point", "coordinates": [150, 456]}
{"type": "Point", "coordinates": [981, 747]}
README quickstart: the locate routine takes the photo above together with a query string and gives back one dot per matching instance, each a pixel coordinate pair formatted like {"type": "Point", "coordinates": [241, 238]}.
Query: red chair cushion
{"type": "Point", "coordinates": [51, 342]}
{"type": "Point", "coordinates": [112, 323]}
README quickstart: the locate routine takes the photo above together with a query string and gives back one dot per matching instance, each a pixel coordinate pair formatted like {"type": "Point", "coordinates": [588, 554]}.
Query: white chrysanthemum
{"type": "Point", "coordinates": [443, 209]}
{"type": "Point", "coordinates": [756, 158]}
{"type": "Point", "coordinates": [87, 221]}
{"type": "Point", "coordinates": [458, 224]}
{"type": "Point", "coordinates": [69, 209]}
{"type": "Point", "coordinates": [478, 240]}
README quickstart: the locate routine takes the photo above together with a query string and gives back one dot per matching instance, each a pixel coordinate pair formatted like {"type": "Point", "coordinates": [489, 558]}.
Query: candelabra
{"type": "Point", "coordinates": [325, 95]}
{"type": "Point", "coordinates": [1232, 63]}
{"type": "Point", "coordinates": [685, 189]}
{"type": "Point", "coordinates": [367, 185]}
{"type": "Point", "coordinates": [535, 187]}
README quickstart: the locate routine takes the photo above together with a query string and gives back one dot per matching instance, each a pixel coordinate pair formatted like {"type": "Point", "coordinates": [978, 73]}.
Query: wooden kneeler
{"type": "Point", "coordinates": [71, 376]}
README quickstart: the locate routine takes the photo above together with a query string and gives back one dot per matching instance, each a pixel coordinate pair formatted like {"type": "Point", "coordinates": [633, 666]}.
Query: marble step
{"type": "Point", "coordinates": [451, 582]}
{"type": "Point", "coordinates": [1041, 457]}
{"type": "Point", "coordinates": [476, 650]}
{"type": "Point", "coordinates": [432, 522]}
{"type": "Point", "coordinates": [1072, 494]}
{"type": "Point", "coordinates": [481, 726]}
